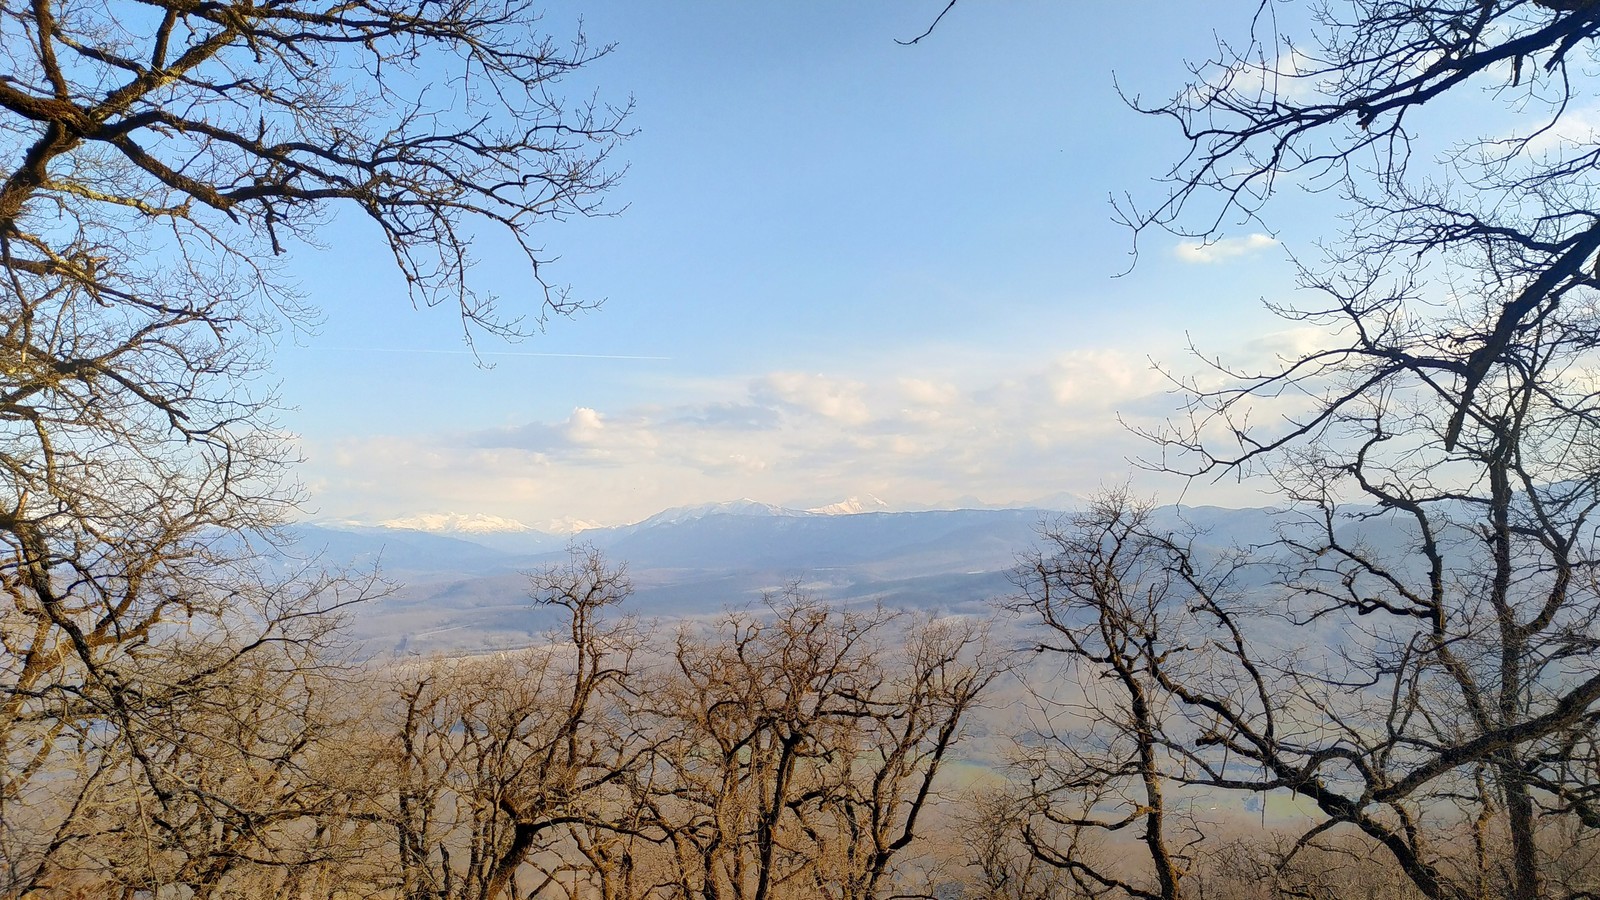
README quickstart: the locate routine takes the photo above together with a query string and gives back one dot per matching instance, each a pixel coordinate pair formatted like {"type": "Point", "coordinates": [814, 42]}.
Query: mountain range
{"type": "Point", "coordinates": [462, 584]}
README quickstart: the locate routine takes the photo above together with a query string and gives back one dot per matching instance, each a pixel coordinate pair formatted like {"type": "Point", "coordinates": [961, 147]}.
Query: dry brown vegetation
{"type": "Point", "coordinates": [783, 753]}
{"type": "Point", "coordinates": [1435, 705]}
{"type": "Point", "coordinates": [176, 722]}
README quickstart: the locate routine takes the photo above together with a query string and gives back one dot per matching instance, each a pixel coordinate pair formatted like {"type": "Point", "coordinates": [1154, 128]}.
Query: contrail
{"type": "Point", "coordinates": [481, 353]}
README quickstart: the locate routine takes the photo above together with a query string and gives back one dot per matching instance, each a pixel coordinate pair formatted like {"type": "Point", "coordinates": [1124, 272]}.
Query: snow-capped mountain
{"type": "Point", "coordinates": [568, 525]}
{"type": "Point", "coordinates": [741, 507]}
{"type": "Point", "coordinates": [458, 523]}
{"type": "Point", "coordinates": [497, 532]}
{"type": "Point", "coordinates": [851, 506]}
{"type": "Point", "coordinates": [465, 588]}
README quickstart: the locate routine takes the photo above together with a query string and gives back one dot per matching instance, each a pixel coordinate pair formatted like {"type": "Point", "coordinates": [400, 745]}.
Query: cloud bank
{"type": "Point", "coordinates": [798, 438]}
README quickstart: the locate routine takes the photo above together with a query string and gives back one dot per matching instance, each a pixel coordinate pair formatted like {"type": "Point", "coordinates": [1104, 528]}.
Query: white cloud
{"type": "Point", "coordinates": [585, 426]}
{"type": "Point", "coordinates": [831, 398]}
{"type": "Point", "coordinates": [1100, 379]}
{"type": "Point", "coordinates": [925, 392]}
{"type": "Point", "coordinates": [942, 431]}
{"type": "Point", "coordinates": [1279, 346]}
{"type": "Point", "coordinates": [1222, 249]}
{"type": "Point", "coordinates": [1576, 129]}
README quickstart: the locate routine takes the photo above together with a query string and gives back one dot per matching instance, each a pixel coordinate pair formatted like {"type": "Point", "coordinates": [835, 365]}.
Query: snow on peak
{"type": "Point", "coordinates": [852, 506]}
{"type": "Point", "coordinates": [741, 507]}
{"type": "Point", "coordinates": [568, 525]}
{"type": "Point", "coordinates": [457, 523]}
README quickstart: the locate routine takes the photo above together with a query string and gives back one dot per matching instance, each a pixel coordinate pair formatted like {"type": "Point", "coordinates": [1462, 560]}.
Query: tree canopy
{"type": "Point", "coordinates": [1434, 455]}
{"type": "Point", "coordinates": [161, 160]}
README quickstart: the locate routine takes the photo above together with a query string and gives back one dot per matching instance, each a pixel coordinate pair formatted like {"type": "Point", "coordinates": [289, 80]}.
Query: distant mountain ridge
{"type": "Point", "coordinates": [741, 507]}
{"type": "Point", "coordinates": [475, 525]}
{"type": "Point", "coordinates": [457, 523]}
{"type": "Point", "coordinates": [462, 591]}
{"type": "Point", "coordinates": [851, 506]}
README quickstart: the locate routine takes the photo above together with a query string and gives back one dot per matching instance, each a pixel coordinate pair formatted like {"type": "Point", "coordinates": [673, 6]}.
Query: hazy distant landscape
{"type": "Point", "coordinates": [1175, 433]}
{"type": "Point", "coordinates": [457, 592]}
{"type": "Point", "coordinates": [464, 590]}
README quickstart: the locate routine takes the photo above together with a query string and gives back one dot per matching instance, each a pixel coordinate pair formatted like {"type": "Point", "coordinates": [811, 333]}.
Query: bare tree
{"type": "Point", "coordinates": [162, 159]}
{"type": "Point", "coordinates": [801, 754]}
{"type": "Point", "coordinates": [1438, 453]}
{"type": "Point", "coordinates": [1398, 729]}
{"type": "Point", "coordinates": [1110, 606]}
{"type": "Point", "coordinates": [1000, 864]}
{"type": "Point", "coordinates": [187, 759]}
{"type": "Point", "coordinates": [1339, 111]}
{"type": "Point", "coordinates": [501, 762]}
{"type": "Point", "coordinates": [234, 128]}
{"type": "Point", "coordinates": [1464, 624]}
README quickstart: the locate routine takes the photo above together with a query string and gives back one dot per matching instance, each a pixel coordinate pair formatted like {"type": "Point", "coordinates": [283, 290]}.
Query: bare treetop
{"type": "Point", "coordinates": [236, 125]}
{"type": "Point", "coordinates": [159, 159]}
{"type": "Point", "coordinates": [1336, 109]}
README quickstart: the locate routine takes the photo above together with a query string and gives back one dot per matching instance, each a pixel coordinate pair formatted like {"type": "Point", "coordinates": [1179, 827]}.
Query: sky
{"type": "Point", "coordinates": [839, 267]}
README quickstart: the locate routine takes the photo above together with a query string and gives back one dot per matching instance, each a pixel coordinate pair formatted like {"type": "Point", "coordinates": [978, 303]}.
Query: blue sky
{"type": "Point", "coordinates": [847, 267]}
